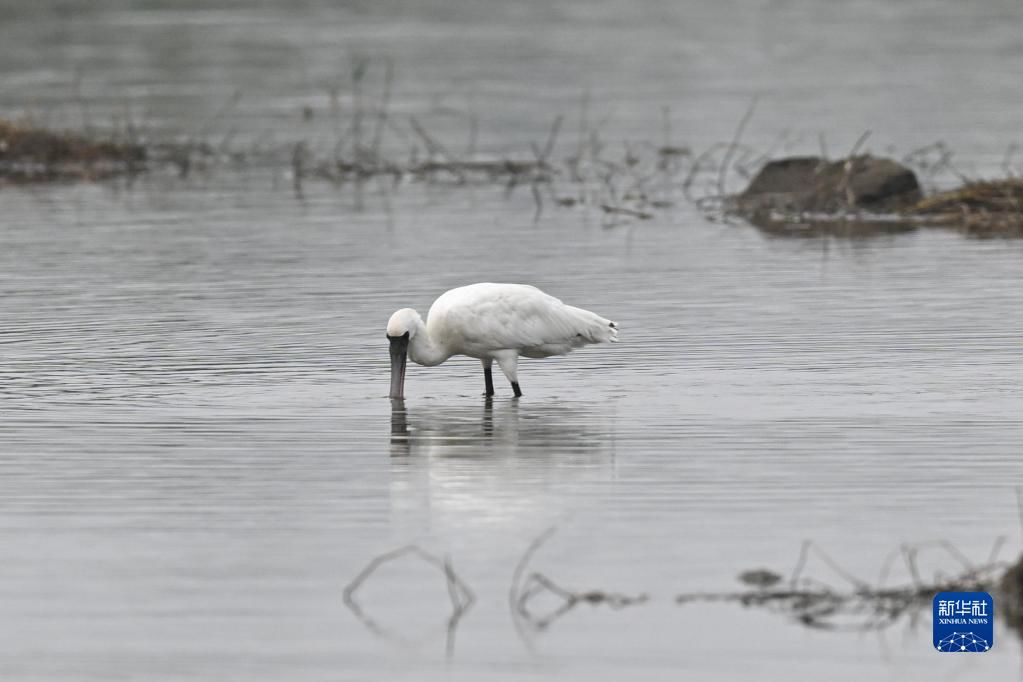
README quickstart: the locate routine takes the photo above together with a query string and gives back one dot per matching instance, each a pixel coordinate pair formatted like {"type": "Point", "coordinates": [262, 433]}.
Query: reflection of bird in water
{"type": "Point", "coordinates": [491, 322]}
{"type": "Point", "coordinates": [496, 464]}
{"type": "Point", "coordinates": [513, 429]}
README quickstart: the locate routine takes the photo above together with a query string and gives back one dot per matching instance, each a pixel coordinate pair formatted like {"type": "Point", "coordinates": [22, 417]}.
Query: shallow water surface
{"type": "Point", "coordinates": [198, 452]}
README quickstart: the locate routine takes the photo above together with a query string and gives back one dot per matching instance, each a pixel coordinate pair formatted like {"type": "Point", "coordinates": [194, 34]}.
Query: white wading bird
{"type": "Point", "coordinates": [491, 322]}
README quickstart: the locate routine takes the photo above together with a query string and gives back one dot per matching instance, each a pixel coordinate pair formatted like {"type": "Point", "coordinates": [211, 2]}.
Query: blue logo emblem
{"type": "Point", "coordinates": [964, 621]}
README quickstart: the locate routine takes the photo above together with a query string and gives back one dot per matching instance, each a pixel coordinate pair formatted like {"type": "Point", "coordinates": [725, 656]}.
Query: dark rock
{"type": "Point", "coordinates": [812, 184]}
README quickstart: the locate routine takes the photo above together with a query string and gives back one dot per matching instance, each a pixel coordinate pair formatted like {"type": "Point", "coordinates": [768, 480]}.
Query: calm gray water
{"type": "Point", "coordinates": [197, 449]}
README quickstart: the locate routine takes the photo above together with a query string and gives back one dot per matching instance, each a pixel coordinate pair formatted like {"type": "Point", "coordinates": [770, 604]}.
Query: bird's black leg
{"type": "Point", "coordinates": [509, 360]}
{"type": "Point", "coordinates": [488, 379]}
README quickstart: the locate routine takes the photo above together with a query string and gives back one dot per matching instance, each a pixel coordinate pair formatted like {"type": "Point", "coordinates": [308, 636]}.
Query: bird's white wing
{"type": "Point", "coordinates": [498, 316]}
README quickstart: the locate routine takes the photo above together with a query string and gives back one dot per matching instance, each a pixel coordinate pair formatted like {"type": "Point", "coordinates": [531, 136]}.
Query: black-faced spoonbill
{"type": "Point", "coordinates": [491, 322]}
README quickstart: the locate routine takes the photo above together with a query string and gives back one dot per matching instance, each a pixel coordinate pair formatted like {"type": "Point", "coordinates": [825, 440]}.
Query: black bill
{"type": "Point", "coordinates": [399, 356]}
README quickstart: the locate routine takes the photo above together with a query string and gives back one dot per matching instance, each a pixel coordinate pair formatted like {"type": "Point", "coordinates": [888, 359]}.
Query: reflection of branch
{"type": "Point", "coordinates": [538, 583]}
{"type": "Point", "coordinates": [461, 599]}
{"type": "Point", "coordinates": [516, 584]}
{"type": "Point", "coordinates": [461, 596]}
{"type": "Point", "coordinates": [522, 592]}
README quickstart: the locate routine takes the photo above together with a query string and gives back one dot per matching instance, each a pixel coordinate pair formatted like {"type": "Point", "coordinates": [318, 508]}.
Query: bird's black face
{"type": "Point", "coordinates": [399, 356]}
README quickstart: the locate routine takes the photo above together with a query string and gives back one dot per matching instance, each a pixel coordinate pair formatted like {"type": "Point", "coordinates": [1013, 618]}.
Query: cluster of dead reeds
{"type": "Point", "coordinates": [982, 208]}
{"type": "Point", "coordinates": [31, 154]}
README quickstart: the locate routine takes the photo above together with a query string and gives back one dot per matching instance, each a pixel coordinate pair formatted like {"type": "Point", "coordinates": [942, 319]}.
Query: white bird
{"type": "Point", "coordinates": [491, 322]}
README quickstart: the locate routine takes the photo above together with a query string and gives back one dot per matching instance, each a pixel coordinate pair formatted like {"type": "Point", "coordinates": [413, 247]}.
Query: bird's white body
{"type": "Point", "coordinates": [498, 322]}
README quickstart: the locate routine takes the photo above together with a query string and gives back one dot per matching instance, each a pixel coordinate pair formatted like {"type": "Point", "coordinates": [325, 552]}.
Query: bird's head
{"type": "Point", "coordinates": [402, 322]}
{"type": "Point", "coordinates": [400, 329]}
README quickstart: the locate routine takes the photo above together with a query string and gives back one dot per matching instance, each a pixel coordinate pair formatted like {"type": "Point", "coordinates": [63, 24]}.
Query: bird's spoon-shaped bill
{"type": "Point", "coordinates": [399, 357]}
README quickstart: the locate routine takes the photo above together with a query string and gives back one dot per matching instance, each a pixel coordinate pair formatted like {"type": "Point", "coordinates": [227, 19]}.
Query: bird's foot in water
{"type": "Point", "coordinates": [488, 380]}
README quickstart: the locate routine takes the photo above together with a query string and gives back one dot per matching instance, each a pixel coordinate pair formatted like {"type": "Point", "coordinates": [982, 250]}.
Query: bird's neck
{"type": "Point", "coordinates": [423, 349]}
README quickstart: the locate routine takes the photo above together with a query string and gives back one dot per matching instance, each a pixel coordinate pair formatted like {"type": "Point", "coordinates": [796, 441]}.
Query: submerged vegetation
{"type": "Point", "coordinates": [858, 194]}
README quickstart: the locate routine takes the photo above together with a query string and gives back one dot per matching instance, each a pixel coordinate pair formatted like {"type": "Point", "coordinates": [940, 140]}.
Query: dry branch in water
{"type": "Point", "coordinates": [538, 584]}
{"type": "Point", "coordinates": [621, 210]}
{"type": "Point", "coordinates": [526, 588]}
{"type": "Point", "coordinates": [857, 606]}
{"type": "Point", "coordinates": [861, 606]}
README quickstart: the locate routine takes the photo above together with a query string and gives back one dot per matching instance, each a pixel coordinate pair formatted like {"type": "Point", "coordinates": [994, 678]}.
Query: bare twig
{"type": "Point", "coordinates": [1019, 505]}
{"type": "Point", "coordinates": [552, 137]}
{"type": "Point", "coordinates": [378, 130]}
{"type": "Point", "coordinates": [298, 157]}
{"type": "Point", "coordinates": [723, 170]}
{"type": "Point", "coordinates": [1007, 168]}
{"type": "Point", "coordinates": [621, 210]}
